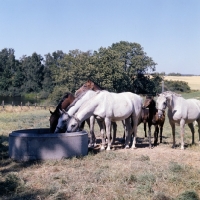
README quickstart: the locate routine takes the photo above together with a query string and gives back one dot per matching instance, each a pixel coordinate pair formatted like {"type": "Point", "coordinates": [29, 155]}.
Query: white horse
{"type": "Point", "coordinates": [180, 111]}
{"type": "Point", "coordinates": [110, 107]}
{"type": "Point", "coordinates": [72, 109]}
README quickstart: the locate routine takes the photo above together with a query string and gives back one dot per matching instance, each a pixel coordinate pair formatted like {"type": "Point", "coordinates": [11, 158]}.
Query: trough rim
{"type": "Point", "coordinates": [25, 133]}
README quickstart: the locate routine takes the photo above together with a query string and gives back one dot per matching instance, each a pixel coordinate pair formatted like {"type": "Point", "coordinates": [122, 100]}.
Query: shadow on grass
{"type": "Point", "coordinates": [23, 195]}
{"type": "Point", "coordinates": [3, 147]}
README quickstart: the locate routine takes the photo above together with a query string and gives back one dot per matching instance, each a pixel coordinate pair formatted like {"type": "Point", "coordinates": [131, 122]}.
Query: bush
{"type": "Point", "coordinates": [177, 86]}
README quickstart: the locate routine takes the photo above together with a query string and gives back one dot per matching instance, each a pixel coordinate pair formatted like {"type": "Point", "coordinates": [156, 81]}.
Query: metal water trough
{"type": "Point", "coordinates": [39, 144]}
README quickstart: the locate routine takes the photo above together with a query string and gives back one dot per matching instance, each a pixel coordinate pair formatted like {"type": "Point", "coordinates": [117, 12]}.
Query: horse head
{"type": "Point", "coordinates": [62, 122]}
{"type": "Point", "coordinates": [149, 102]}
{"type": "Point", "coordinates": [162, 103]}
{"type": "Point", "coordinates": [63, 104]}
{"type": "Point", "coordinates": [73, 124]}
{"type": "Point", "coordinates": [145, 114]}
{"type": "Point", "coordinates": [89, 85]}
{"type": "Point", "coordinates": [53, 120]}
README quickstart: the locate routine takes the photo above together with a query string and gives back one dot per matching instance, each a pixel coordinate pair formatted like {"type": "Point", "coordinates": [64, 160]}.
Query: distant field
{"type": "Point", "coordinates": [193, 81]}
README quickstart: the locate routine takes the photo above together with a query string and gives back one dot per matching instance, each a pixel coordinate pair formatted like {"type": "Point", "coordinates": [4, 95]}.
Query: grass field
{"type": "Point", "coordinates": [193, 81]}
{"type": "Point", "coordinates": [161, 173]}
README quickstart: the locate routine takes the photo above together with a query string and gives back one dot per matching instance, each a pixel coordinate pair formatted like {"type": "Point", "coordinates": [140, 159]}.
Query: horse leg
{"type": "Point", "coordinates": [198, 121]}
{"type": "Point", "coordinates": [161, 130]}
{"type": "Point", "coordinates": [191, 126]}
{"type": "Point", "coordinates": [149, 133]}
{"type": "Point", "coordinates": [92, 135]}
{"type": "Point", "coordinates": [123, 123]}
{"type": "Point", "coordinates": [134, 130]}
{"type": "Point", "coordinates": [145, 129]}
{"type": "Point", "coordinates": [108, 125]}
{"type": "Point", "coordinates": [156, 135]}
{"type": "Point", "coordinates": [114, 125]}
{"type": "Point", "coordinates": [182, 125]}
{"type": "Point", "coordinates": [173, 133]}
{"type": "Point", "coordinates": [127, 132]}
{"type": "Point", "coordinates": [102, 130]}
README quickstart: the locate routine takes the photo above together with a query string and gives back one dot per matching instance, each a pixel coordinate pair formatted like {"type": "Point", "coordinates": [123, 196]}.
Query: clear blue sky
{"type": "Point", "coordinates": [168, 30]}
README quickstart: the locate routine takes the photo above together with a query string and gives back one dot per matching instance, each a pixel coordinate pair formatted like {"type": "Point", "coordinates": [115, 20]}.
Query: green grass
{"type": "Point", "coordinates": [159, 173]}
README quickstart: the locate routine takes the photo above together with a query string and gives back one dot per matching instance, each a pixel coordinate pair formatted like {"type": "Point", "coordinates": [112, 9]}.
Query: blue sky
{"type": "Point", "coordinates": [168, 31]}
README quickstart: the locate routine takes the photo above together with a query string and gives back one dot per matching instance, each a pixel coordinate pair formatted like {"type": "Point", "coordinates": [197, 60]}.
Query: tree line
{"type": "Point", "coordinates": [123, 66]}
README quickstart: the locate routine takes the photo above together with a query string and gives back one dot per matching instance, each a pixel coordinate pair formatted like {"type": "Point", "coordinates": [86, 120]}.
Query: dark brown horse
{"type": "Point", "coordinates": [90, 85]}
{"type": "Point", "coordinates": [154, 120]}
{"type": "Point", "coordinates": [63, 104]}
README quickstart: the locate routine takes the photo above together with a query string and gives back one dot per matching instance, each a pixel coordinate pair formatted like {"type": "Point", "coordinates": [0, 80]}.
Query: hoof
{"type": "Point", "coordinates": [95, 144]}
{"type": "Point", "coordinates": [127, 147]}
{"type": "Point", "coordinates": [90, 146]}
{"type": "Point", "coordinates": [102, 148]}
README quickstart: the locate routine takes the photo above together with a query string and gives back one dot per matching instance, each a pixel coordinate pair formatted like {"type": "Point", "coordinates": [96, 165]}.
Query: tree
{"type": "Point", "coordinates": [7, 70]}
{"type": "Point", "coordinates": [137, 66]}
{"type": "Point", "coordinates": [33, 72]}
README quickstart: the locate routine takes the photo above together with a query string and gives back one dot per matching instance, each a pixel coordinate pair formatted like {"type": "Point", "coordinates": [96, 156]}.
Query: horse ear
{"type": "Point", "coordinates": [61, 112]}
{"type": "Point", "coordinates": [50, 111]}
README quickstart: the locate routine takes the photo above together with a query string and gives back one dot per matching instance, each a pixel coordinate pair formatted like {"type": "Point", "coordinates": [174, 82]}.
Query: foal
{"type": "Point", "coordinates": [153, 119]}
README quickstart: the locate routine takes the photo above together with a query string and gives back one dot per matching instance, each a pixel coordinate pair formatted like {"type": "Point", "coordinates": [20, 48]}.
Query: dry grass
{"type": "Point", "coordinates": [158, 173]}
{"type": "Point", "coordinates": [193, 81]}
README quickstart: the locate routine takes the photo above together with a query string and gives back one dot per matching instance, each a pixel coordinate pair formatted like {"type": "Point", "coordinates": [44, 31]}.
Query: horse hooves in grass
{"type": "Point", "coordinates": [102, 148]}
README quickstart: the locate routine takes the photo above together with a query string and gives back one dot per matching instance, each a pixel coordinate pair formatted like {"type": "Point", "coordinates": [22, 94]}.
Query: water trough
{"type": "Point", "coordinates": [39, 144]}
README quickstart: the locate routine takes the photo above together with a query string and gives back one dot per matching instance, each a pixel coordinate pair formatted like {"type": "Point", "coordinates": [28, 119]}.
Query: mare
{"type": "Point", "coordinates": [67, 99]}
{"type": "Point", "coordinates": [65, 115]}
{"type": "Point", "coordinates": [91, 85]}
{"type": "Point", "coordinates": [153, 119]}
{"type": "Point", "coordinates": [180, 111]}
{"type": "Point", "coordinates": [110, 107]}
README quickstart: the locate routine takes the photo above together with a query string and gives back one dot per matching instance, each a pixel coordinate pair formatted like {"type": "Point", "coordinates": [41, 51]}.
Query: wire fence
{"type": "Point", "coordinates": [27, 105]}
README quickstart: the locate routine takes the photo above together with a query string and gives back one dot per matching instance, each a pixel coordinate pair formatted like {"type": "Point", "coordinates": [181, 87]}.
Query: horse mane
{"type": "Point", "coordinates": [61, 101]}
{"type": "Point", "coordinates": [172, 93]}
{"type": "Point", "coordinates": [153, 102]}
{"type": "Point", "coordinates": [76, 99]}
{"type": "Point", "coordinates": [97, 85]}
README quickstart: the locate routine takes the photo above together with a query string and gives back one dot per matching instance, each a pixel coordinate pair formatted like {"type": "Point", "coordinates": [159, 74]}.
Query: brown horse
{"type": "Point", "coordinates": [63, 104]}
{"type": "Point", "coordinates": [90, 85]}
{"type": "Point", "coordinates": [154, 120]}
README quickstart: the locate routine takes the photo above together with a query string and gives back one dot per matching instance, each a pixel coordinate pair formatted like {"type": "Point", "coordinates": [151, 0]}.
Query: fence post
{"type": "Point", "coordinates": [21, 105]}
{"type": "Point", "coordinates": [28, 105]}
{"type": "Point", "coordinates": [3, 104]}
{"type": "Point", "coordinates": [35, 105]}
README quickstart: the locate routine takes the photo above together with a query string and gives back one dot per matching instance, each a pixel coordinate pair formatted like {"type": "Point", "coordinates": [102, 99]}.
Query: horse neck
{"type": "Point", "coordinates": [174, 102]}
{"type": "Point", "coordinates": [79, 101]}
{"type": "Point", "coordinates": [67, 101]}
{"type": "Point", "coordinates": [87, 109]}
